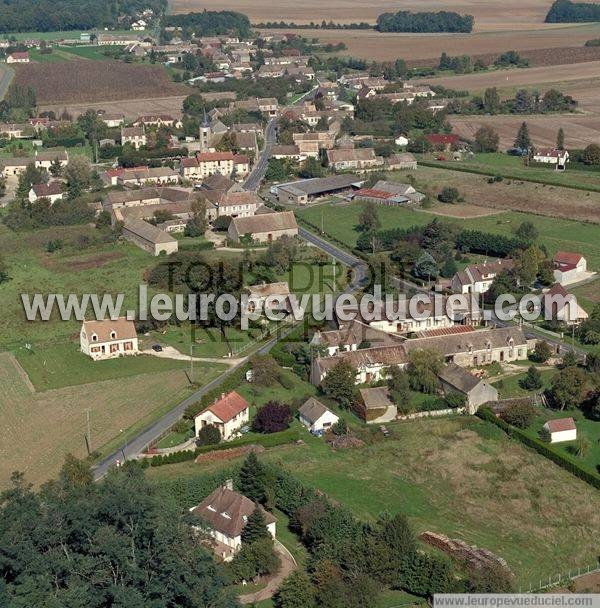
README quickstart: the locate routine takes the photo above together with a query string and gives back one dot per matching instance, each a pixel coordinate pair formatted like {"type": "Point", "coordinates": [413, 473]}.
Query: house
{"type": "Point", "coordinates": [359, 158]}
{"type": "Point", "coordinates": [375, 405]}
{"type": "Point", "coordinates": [108, 338]}
{"type": "Point", "coordinates": [234, 203]}
{"type": "Point", "coordinates": [113, 120]}
{"type": "Point", "coordinates": [291, 152]}
{"type": "Point", "coordinates": [148, 237]}
{"type": "Point", "coordinates": [157, 120]}
{"type": "Point", "coordinates": [401, 161]}
{"type": "Point", "coordinates": [552, 156]}
{"type": "Point", "coordinates": [561, 429]}
{"type": "Point", "coordinates": [136, 136]}
{"type": "Point", "coordinates": [560, 305]}
{"type": "Point", "coordinates": [52, 191]}
{"type": "Point", "coordinates": [18, 57]}
{"type": "Point", "coordinates": [465, 349]}
{"type": "Point", "coordinates": [443, 141]}
{"type": "Point", "coordinates": [45, 160]}
{"type": "Point", "coordinates": [477, 278]}
{"type": "Point", "coordinates": [477, 391]}
{"type": "Point", "coordinates": [401, 140]}
{"type": "Point", "coordinates": [274, 296]}
{"type": "Point", "coordinates": [223, 514]}
{"type": "Point", "coordinates": [15, 166]}
{"type": "Point", "coordinates": [389, 193]}
{"type": "Point", "coordinates": [301, 191]}
{"type": "Point", "coordinates": [317, 418]}
{"type": "Point", "coordinates": [16, 131]}
{"type": "Point", "coordinates": [311, 143]}
{"type": "Point", "coordinates": [569, 267]}
{"type": "Point", "coordinates": [263, 228]}
{"type": "Point", "coordinates": [225, 163]}
{"type": "Point", "coordinates": [229, 413]}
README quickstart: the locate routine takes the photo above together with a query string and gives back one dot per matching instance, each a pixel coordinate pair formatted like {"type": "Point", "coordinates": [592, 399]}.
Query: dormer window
{"type": "Point", "coordinates": [113, 335]}
{"type": "Point", "coordinates": [211, 508]}
{"type": "Point", "coordinates": [94, 338]}
{"type": "Point", "coordinates": [245, 518]}
{"type": "Point", "coordinates": [226, 515]}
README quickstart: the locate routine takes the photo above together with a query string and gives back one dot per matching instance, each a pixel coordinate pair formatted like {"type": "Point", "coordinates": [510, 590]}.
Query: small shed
{"type": "Point", "coordinates": [376, 406]}
{"type": "Point", "coordinates": [561, 429]}
{"type": "Point", "coordinates": [316, 417]}
{"type": "Point", "coordinates": [477, 391]}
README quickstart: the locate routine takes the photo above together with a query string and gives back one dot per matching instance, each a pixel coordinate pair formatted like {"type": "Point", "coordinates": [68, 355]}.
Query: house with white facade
{"type": "Point", "coordinates": [108, 338]}
{"type": "Point", "coordinates": [569, 267]}
{"type": "Point", "coordinates": [229, 414]}
{"type": "Point", "coordinates": [136, 136]}
{"type": "Point", "coordinates": [223, 515]}
{"type": "Point", "coordinates": [478, 278]}
{"type": "Point", "coordinates": [552, 156]}
{"type": "Point", "coordinates": [317, 418]}
{"type": "Point", "coordinates": [18, 57]}
{"type": "Point", "coordinates": [52, 191]}
{"type": "Point", "coordinates": [561, 429]}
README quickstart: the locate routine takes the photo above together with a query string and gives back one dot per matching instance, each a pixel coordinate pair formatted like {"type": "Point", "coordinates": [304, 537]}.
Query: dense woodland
{"type": "Point", "coordinates": [211, 23]}
{"type": "Point", "coordinates": [442, 21]}
{"type": "Point", "coordinates": [62, 15]}
{"type": "Point", "coordinates": [565, 11]}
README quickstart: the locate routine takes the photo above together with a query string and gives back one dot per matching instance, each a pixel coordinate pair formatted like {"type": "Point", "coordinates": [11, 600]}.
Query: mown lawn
{"type": "Point", "coordinates": [340, 221]}
{"type": "Point", "coordinates": [462, 477]}
{"type": "Point", "coordinates": [509, 387]}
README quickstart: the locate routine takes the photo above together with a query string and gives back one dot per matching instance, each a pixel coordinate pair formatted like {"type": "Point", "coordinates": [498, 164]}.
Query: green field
{"type": "Point", "coordinates": [68, 53]}
{"type": "Point", "coordinates": [512, 166]}
{"type": "Point", "coordinates": [509, 387]}
{"type": "Point", "coordinates": [340, 221]}
{"type": "Point", "coordinates": [68, 35]}
{"type": "Point", "coordinates": [461, 477]}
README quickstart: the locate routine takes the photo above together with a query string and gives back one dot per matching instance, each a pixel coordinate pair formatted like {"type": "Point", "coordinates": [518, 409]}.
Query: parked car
{"type": "Point", "coordinates": [157, 348]}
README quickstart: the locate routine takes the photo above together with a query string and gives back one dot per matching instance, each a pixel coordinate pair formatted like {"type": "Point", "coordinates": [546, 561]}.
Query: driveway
{"type": "Point", "coordinates": [169, 352]}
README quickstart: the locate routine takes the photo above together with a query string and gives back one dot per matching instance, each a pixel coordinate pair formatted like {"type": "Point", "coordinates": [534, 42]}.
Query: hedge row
{"type": "Point", "coordinates": [541, 447]}
{"type": "Point", "coordinates": [518, 178]}
{"type": "Point", "coordinates": [267, 441]}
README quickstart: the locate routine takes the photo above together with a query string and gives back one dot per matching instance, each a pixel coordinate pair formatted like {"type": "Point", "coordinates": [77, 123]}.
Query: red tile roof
{"type": "Point", "coordinates": [446, 331]}
{"type": "Point", "coordinates": [372, 193]}
{"type": "Point", "coordinates": [566, 257]}
{"type": "Point", "coordinates": [561, 424]}
{"type": "Point", "coordinates": [442, 138]}
{"type": "Point", "coordinates": [228, 406]}
{"type": "Point", "coordinates": [214, 156]}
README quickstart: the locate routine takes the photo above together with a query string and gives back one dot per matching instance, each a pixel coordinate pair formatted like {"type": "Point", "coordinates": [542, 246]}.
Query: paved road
{"type": "Point", "coordinates": [6, 76]}
{"type": "Point", "coordinates": [260, 167]}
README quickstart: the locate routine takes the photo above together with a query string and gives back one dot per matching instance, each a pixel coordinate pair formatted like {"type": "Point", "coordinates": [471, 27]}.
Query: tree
{"type": "Point", "coordinates": [198, 223]}
{"type": "Point", "coordinates": [253, 479]}
{"type": "Point", "coordinates": [296, 591]}
{"type": "Point", "coordinates": [423, 368]}
{"type": "Point", "coordinates": [449, 194]}
{"type": "Point", "coordinates": [221, 224]}
{"type": "Point", "coordinates": [519, 414]}
{"type": "Point", "coordinates": [566, 388]}
{"type": "Point", "coordinates": [486, 139]}
{"type": "Point", "coordinates": [449, 268]}
{"type": "Point", "coordinates": [591, 155]}
{"type": "Point", "coordinates": [340, 383]}
{"type": "Point", "coordinates": [368, 221]}
{"type": "Point", "coordinates": [491, 578]}
{"type": "Point", "coordinates": [527, 232]}
{"type": "Point", "coordinates": [399, 388]}
{"type": "Point", "coordinates": [311, 167]}
{"type": "Point", "coordinates": [532, 380]}
{"type": "Point", "coordinates": [209, 435]}
{"type": "Point", "coordinates": [78, 174]}
{"type": "Point", "coordinates": [542, 351]}
{"type": "Point", "coordinates": [55, 168]}
{"type": "Point", "coordinates": [570, 359]}
{"type": "Point", "coordinates": [491, 102]}
{"type": "Point", "coordinates": [31, 176]}
{"type": "Point", "coordinates": [426, 267]}
{"type": "Point", "coordinates": [523, 140]}
{"type": "Point", "coordinates": [272, 418]}
{"type": "Point", "coordinates": [256, 527]}
{"type": "Point", "coordinates": [560, 139]}
{"type": "Point", "coordinates": [4, 276]}
{"type": "Point", "coordinates": [265, 370]}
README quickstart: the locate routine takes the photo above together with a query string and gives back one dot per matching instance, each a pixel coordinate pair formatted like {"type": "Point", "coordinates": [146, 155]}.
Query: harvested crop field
{"type": "Point", "coordinates": [131, 109]}
{"type": "Point", "coordinates": [81, 81]}
{"type": "Point", "coordinates": [580, 129]}
{"type": "Point", "coordinates": [489, 15]}
{"type": "Point", "coordinates": [388, 46]}
{"type": "Point", "coordinates": [514, 195]}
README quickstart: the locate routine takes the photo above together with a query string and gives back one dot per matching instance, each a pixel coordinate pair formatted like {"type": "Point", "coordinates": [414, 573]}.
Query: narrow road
{"type": "Point", "coordinates": [260, 167]}
{"type": "Point", "coordinates": [6, 76]}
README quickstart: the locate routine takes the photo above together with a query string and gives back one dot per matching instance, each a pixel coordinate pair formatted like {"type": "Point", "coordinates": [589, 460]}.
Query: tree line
{"type": "Point", "coordinates": [211, 23]}
{"type": "Point", "coordinates": [565, 11]}
{"type": "Point", "coordinates": [442, 21]}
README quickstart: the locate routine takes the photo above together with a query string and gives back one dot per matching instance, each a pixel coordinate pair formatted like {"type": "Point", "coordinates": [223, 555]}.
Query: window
{"type": "Point", "coordinates": [94, 338]}
{"type": "Point", "coordinates": [113, 334]}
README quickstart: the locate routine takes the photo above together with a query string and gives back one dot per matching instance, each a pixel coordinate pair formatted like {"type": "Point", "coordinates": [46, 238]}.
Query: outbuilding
{"type": "Point", "coordinates": [316, 417]}
{"type": "Point", "coordinates": [561, 429]}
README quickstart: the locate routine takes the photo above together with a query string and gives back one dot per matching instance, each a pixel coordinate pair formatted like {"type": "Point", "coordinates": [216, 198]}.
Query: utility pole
{"type": "Point", "coordinates": [192, 362]}
{"type": "Point", "coordinates": [322, 220]}
{"type": "Point", "coordinates": [88, 431]}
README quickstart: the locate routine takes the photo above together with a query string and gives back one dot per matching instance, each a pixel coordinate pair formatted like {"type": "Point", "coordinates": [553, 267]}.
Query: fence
{"type": "Point", "coordinates": [558, 580]}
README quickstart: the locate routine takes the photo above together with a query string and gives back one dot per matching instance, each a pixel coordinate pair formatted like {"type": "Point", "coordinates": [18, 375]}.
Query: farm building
{"type": "Point", "coordinates": [302, 191]}
{"type": "Point", "coordinates": [45, 159]}
{"type": "Point", "coordinates": [316, 417]}
{"type": "Point", "coordinates": [108, 338]}
{"type": "Point", "coordinates": [149, 237]}
{"type": "Point", "coordinates": [263, 228]}
{"type": "Point", "coordinates": [455, 379]}
{"type": "Point", "coordinates": [569, 267]}
{"type": "Point", "coordinates": [18, 57]}
{"type": "Point", "coordinates": [402, 161]}
{"type": "Point", "coordinates": [356, 159]}
{"type": "Point", "coordinates": [223, 514]}
{"type": "Point", "coordinates": [561, 429]}
{"type": "Point", "coordinates": [375, 405]}
{"type": "Point", "coordinates": [389, 193]}
{"type": "Point", "coordinates": [560, 305]}
{"type": "Point", "coordinates": [229, 413]}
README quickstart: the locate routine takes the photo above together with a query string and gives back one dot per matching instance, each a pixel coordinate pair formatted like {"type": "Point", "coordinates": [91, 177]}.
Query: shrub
{"type": "Point", "coordinates": [221, 224]}
{"type": "Point", "coordinates": [449, 194]}
{"type": "Point", "coordinates": [272, 418]}
{"type": "Point", "coordinates": [532, 381]}
{"type": "Point", "coordinates": [209, 435]}
{"type": "Point", "coordinates": [519, 414]}
{"type": "Point", "coordinates": [541, 352]}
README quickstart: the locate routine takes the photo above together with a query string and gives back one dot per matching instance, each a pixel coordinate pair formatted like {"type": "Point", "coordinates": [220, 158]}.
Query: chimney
{"type": "Point", "coordinates": [228, 485]}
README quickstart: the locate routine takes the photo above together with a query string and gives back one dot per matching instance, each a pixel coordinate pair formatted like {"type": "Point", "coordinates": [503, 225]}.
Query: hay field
{"type": "Point", "coordinates": [489, 15]}
{"type": "Point", "coordinates": [38, 429]}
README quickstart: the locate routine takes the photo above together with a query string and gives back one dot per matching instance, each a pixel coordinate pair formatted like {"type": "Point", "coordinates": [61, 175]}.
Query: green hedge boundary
{"type": "Point", "coordinates": [505, 175]}
{"type": "Point", "coordinates": [541, 447]}
{"type": "Point", "coordinates": [267, 441]}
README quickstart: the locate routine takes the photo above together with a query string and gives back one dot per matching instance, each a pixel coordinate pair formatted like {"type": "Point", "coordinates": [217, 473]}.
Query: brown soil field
{"type": "Point", "coordinates": [387, 47]}
{"type": "Point", "coordinates": [489, 15]}
{"type": "Point", "coordinates": [131, 109]}
{"type": "Point", "coordinates": [511, 195]}
{"type": "Point", "coordinates": [81, 81]}
{"type": "Point", "coordinates": [580, 129]}
{"type": "Point", "coordinates": [461, 211]}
